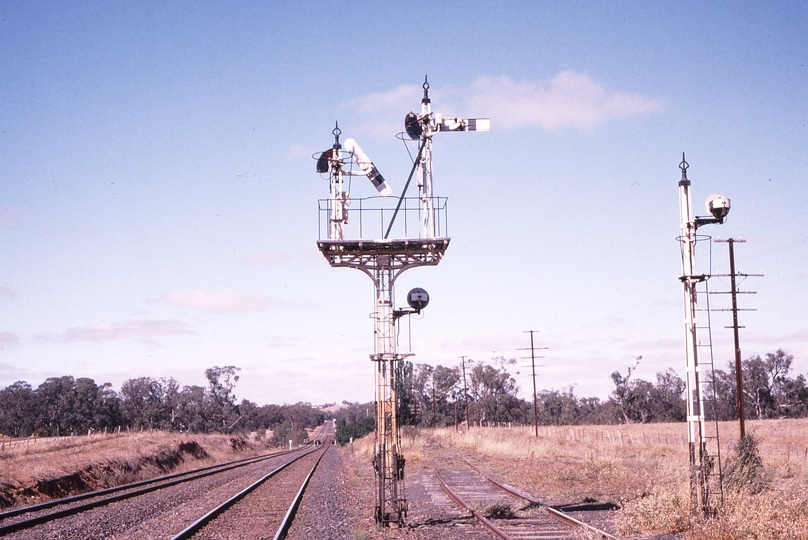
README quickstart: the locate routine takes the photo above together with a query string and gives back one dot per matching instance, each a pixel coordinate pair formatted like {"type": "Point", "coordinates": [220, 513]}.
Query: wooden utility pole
{"type": "Point", "coordinates": [433, 399]}
{"type": "Point", "coordinates": [734, 292]}
{"type": "Point", "coordinates": [738, 371]}
{"type": "Point", "coordinates": [533, 366]}
{"type": "Point", "coordinates": [465, 393]}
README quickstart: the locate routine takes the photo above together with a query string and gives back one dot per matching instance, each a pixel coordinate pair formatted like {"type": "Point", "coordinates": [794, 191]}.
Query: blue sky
{"type": "Point", "coordinates": [158, 200]}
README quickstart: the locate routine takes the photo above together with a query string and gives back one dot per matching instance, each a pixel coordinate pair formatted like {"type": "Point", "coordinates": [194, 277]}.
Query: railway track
{"type": "Point", "coordinates": [178, 505]}
{"type": "Point", "coordinates": [259, 508]}
{"type": "Point", "coordinates": [491, 502]}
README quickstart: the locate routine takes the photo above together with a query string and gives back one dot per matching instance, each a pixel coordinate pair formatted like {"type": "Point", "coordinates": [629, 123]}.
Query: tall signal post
{"type": "Point", "coordinates": [701, 462]}
{"type": "Point", "coordinates": [384, 259]}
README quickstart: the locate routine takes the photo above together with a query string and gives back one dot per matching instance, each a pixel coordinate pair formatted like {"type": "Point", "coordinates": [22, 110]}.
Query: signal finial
{"type": "Point", "coordinates": [684, 166]}
{"type": "Point", "coordinates": [426, 91]}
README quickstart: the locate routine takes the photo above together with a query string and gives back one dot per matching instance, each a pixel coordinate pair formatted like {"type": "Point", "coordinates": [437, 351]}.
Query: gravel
{"type": "Point", "coordinates": [156, 515]}
{"type": "Point", "coordinates": [338, 504]}
{"type": "Point", "coordinates": [332, 507]}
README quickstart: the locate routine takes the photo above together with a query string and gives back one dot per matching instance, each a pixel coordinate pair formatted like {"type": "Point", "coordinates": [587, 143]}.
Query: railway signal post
{"type": "Point", "coordinates": [698, 369]}
{"type": "Point", "coordinates": [420, 240]}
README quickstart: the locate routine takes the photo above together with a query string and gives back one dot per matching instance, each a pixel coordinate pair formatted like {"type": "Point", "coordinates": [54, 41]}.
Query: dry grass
{"type": "Point", "coordinates": [32, 472]}
{"type": "Point", "coordinates": [644, 468]}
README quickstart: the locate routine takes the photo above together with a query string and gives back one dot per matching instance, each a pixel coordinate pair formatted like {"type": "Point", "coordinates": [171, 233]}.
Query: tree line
{"type": "Point", "coordinates": [354, 421]}
{"type": "Point", "coordinates": [66, 405]}
{"type": "Point", "coordinates": [768, 390]}
{"type": "Point", "coordinates": [472, 392]}
{"type": "Point", "coordinates": [486, 394]}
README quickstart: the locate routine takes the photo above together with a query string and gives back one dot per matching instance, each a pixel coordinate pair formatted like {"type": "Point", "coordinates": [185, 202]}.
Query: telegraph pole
{"type": "Point", "coordinates": [738, 372]}
{"type": "Point", "coordinates": [533, 366]}
{"type": "Point", "coordinates": [465, 393]}
{"type": "Point", "coordinates": [735, 292]}
{"type": "Point", "coordinates": [433, 399]}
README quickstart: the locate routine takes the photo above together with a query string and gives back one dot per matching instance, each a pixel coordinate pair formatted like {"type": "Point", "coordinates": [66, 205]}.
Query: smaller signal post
{"type": "Point", "coordinates": [705, 459]}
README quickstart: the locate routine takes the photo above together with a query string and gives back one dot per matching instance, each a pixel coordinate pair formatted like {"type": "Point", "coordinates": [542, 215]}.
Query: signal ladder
{"type": "Point", "coordinates": [711, 443]}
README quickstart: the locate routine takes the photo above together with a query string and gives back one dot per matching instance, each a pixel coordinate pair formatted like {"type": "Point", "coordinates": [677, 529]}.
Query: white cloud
{"type": "Point", "coordinates": [756, 343]}
{"type": "Point", "coordinates": [382, 113]}
{"type": "Point", "coordinates": [216, 301]}
{"type": "Point", "coordinates": [282, 342]}
{"type": "Point", "coordinates": [9, 372]}
{"type": "Point", "coordinates": [107, 332]}
{"type": "Point", "coordinates": [484, 346]}
{"type": "Point", "coordinates": [390, 101]}
{"type": "Point", "coordinates": [568, 100]}
{"type": "Point", "coordinates": [8, 340]}
{"type": "Point", "coordinates": [654, 345]}
{"type": "Point", "coordinates": [267, 258]}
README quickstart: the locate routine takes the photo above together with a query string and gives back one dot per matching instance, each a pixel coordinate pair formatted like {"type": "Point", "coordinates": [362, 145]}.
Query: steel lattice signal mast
{"type": "Point", "coordinates": [701, 462]}
{"type": "Point", "coordinates": [383, 260]}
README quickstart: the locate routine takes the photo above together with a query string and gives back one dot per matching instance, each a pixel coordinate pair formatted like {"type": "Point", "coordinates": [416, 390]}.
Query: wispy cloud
{"type": "Point", "coordinates": [267, 258]}
{"type": "Point", "coordinates": [381, 113]}
{"type": "Point", "coordinates": [143, 329]}
{"type": "Point", "coordinates": [485, 347]}
{"type": "Point", "coordinates": [282, 342]}
{"type": "Point", "coordinates": [655, 345]}
{"type": "Point", "coordinates": [761, 343]}
{"type": "Point", "coordinates": [569, 100]}
{"type": "Point", "coordinates": [217, 301]}
{"type": "Point", "coordinates": [12, 214]}
{"type": "Point", "coordinates": [8, 340]}
{"type": "Point", "coordinates": [9, 372]}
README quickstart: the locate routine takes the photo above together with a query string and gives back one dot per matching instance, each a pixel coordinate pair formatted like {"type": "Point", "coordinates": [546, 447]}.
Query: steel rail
{"type": "Point", "coordinates": [554, 513]}
{"type": "Point", "coordinates": [566, 518]}
{"type": "Point", "coordinates": [197, 525]}
{"type": "Point", "coordinates": [482, 519]}
{"type": "Point", "coordinates": [101, 492]}
{"type": "Point", "coordinates": [102, 499]}
{"type": "Point", "coordinates": [508, 489]}
{"type": "Point", "coordinates": [290, 513]}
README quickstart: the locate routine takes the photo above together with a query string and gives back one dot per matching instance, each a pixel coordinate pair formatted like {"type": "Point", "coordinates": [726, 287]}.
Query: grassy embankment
{"type": "Point", "coordinates": [58, 467]}
{"type": "Point", "coordinates": [644, 468]}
